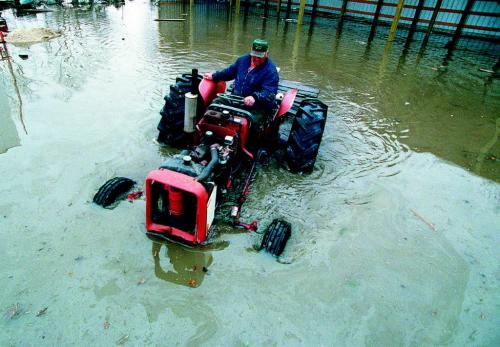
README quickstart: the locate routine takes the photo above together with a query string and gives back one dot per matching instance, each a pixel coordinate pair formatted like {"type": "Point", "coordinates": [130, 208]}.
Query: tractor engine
{"type": "Point", "coordinates": [181, 196]}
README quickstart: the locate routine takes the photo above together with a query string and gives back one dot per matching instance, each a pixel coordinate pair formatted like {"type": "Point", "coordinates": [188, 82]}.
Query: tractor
{"type": "Point", "coordinates": [222, 148]}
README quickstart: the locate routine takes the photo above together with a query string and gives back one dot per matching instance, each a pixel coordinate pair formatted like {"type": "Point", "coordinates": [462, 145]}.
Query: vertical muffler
{"type": "Point", "coordinates": [191, 102]}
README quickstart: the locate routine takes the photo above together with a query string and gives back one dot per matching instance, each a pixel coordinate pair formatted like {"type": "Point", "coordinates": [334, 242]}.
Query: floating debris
{"type": "Point", "coordinates": [34, 10]}
{"type": "Point", "coordinates": [33, 35]}
{"type": "Point", "coordinates": [41, 312]}
{"type": "Point", "coordinates": [12, 312]}
{"type": "Point", "coordinates": [170, 20]}
{"type": "Point", "coordinates": [141, 281]}
{"type": "Point", "coordinates": [122, 340]}
{"type": "Point", "coordinates": [429, 224]}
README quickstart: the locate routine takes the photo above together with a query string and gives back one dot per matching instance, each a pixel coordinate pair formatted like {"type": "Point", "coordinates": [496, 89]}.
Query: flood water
{"type": "Point", "coordinates": [394, 233]}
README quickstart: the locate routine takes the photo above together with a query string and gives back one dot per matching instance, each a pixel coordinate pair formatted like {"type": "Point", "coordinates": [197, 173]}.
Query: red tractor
{"type": "Point", "coordinates": [223, 148]}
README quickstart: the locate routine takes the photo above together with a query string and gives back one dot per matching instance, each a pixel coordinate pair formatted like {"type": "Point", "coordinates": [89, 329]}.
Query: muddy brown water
{"type": "Point", "coordinates": [394, 233]}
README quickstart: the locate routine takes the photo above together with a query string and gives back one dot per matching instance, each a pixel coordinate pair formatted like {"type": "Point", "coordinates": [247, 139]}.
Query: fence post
{"type": "Point", "coordinates": [431, 23]}
{"type": "Point", "coordinates": [395, 21]}
{"type": "Point", "coordinates": [301, 12]}
{"type": "Point", "coordinates": [380, 3]}
{"type": "Point", "coordinates": [314, 9]}
{"type": "Point", "coordinates": [288, 9]}
{"type": "Point", "coordinates": [296, 45]}
{"type": "Point", "coordinates": [414, 23]}
{"type": "Point", "coordinates": [406, 48]}
{"type": "Point", "coordinates": [237, 9]}
{"type": "Point", "coordinates": [246, 4]}
{"type": "Point", "coordinates": [465, 14]}
{"type": "Point", "coordinates": [343, 10]}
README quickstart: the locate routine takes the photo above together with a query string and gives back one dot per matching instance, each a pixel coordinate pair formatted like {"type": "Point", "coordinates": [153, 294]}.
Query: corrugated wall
{"type": "Point", "coordinates": [484, 20]}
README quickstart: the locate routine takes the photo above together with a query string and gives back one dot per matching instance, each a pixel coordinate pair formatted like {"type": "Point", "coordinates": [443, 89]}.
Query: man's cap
{"type": "Point", "coordinates": [259, 48]}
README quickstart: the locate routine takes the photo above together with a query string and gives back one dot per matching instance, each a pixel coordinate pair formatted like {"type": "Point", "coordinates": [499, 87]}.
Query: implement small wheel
{"type": "Point", "coordinates": [112, 190]}
{"type": "Point", "coordinates": [276, 237]}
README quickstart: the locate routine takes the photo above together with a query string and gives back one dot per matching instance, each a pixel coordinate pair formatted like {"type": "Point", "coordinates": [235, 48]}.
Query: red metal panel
{"type": "Point", "coordinates": [209, 90]}
{"type": "Point", "coordinates": [186, 184]}
{"type": "Point", "coordinates": [287, 102]}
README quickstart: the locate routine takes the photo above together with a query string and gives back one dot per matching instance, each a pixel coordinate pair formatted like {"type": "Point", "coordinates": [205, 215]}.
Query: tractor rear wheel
{"type": "Point", "coordinates": [171, 125]}
{"type": "Point", "coordinates": [112, 190]}
{"type": "Point", "coordinates": [276, 237]}
{"type": "Point", "coordinates": [305, 136]}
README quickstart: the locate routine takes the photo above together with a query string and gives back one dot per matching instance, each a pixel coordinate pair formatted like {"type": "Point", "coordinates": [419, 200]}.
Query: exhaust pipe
{"type": "Point", "coordinates": [190, 104]}
{"type": "Point", "coordinates": [211, 165]}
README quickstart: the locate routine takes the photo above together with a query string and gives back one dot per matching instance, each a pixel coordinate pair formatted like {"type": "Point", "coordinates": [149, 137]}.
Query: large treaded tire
{"type": "Point", "coordinates": [276, 237]}
{"type": "Point", "coordinates": [171, 125]}
{"type": "Point", "coordinates": [111, 190]}
{"type": "Point", "coordinates": [305, 136]}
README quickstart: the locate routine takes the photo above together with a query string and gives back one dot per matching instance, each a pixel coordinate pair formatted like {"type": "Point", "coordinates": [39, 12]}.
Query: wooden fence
{"type": "Point", "coordinates": [483, 16]}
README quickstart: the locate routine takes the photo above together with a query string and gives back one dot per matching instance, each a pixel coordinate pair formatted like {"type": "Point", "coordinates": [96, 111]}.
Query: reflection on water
{"type": "Point", "coordinates": [8, 132]}
{"type": "Point", "coordinates": [187, 266]}
{"type": "Point", "coordinates": [415, 93]}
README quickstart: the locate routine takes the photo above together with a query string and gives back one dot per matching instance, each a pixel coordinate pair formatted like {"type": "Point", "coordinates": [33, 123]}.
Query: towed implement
{"type": "Point", "coordinates": [223, 146]}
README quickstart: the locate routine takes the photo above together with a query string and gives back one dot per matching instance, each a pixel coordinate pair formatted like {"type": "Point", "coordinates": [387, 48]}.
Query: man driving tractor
{"type": "Point", "coordinates": [255, 79]}
{"type": "Point", "coordinates": [224, 141]}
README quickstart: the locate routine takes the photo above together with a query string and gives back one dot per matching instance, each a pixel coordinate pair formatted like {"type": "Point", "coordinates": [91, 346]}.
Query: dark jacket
{"type": "Point", "coordinates": [261, 82]}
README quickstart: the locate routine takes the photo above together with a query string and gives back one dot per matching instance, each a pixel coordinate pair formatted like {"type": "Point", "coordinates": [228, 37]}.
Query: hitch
{"type": "Point", "coordinates": [250, 227]}
{"type": "Point", "coordinates": [235, 214]}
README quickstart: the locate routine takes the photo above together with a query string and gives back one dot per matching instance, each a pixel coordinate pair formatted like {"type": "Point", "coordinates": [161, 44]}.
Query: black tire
{"type": "Point", "coordinates": [276, 237]}
{"type": "Point", "coordinates": [305, 136]}
{"type": "Point", "coordinates": [112, 190]}
{"type": "Point", "coordinates": [171, 125]}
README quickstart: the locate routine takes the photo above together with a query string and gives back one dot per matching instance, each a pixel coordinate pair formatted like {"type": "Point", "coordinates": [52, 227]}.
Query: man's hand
{"type": "Point", "coordinates": [249, 101]}
{"type": "Point", "coordinates": [208, 76]}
